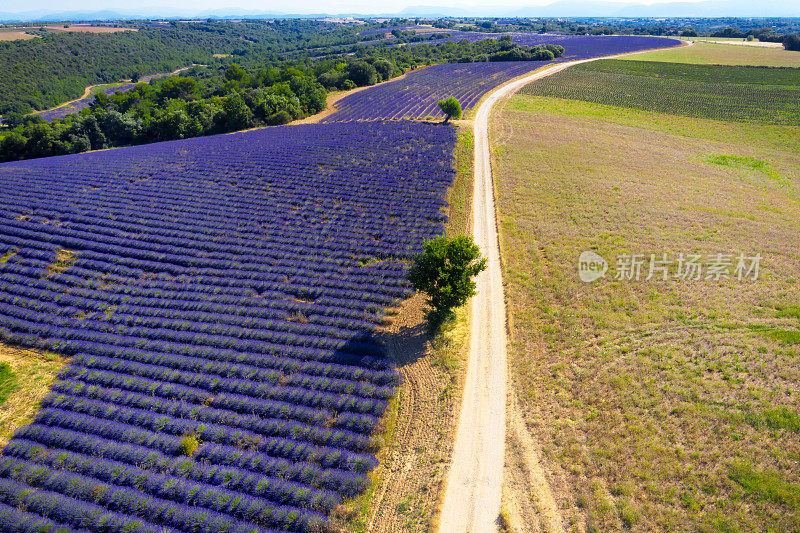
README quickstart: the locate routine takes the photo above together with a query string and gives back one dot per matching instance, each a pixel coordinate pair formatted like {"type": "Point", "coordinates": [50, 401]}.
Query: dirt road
{"type": "Point", "coordinates": [474, 483]}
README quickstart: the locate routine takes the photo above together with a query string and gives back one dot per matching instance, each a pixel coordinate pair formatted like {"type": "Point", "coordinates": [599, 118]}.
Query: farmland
{"type": "Point", "coordinates": [260, 367]}
{"type": "Point", "coordinates": [416, 95]}
{"type": "Point", "coordinates": [702, 91]}
{"type": "Point", "coordinates": [80, 28]}
{"type": "Point", "coordinates": [14, 35]}
{"type": "Point", "coordinates": [657, 405]}
{"type": "Point", "coordinates": [721, 54]}
{"type": "Point", "coordinates": [215, 332]}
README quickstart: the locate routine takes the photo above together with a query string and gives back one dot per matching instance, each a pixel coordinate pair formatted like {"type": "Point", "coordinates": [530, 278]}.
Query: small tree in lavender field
{"type": "Point", "coordinates": [451, 107]}
{"type": "Point", "coordinates": [444, 272]}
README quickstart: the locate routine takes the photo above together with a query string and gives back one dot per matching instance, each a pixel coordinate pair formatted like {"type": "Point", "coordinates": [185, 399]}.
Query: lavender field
{"type": "Point", "coordinates": [218, 298]}
{"type": "Point", "coordinates": [416, 95]}
{"type": "Point", "coordinates": [78, 105]}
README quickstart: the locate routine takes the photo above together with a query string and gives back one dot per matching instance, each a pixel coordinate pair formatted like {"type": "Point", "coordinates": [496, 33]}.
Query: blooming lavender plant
{"type": "Point", "coordinates": [224, 290]}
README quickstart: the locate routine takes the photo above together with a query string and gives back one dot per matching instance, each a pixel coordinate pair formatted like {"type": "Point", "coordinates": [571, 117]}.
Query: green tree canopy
{"type": "Point", "coordinates": [444, 272]}
{"type": "Point", "coordinates": [451, 107]}
{"type": "Point", "coordinates": [792, 42]}
{"type": "Point", "coordinates": [362, 73]}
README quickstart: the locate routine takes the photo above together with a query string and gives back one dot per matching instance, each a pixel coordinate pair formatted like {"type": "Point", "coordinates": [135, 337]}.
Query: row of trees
{"type": "Point", "coordinates": [792, 42]}
{"type": "Point", "coordinates": [173, 108]}
{"type": "Point", "coordinates": [462, 51]}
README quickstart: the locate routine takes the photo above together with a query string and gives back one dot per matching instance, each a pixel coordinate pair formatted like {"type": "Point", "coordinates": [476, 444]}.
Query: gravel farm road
{"type": "Point", "coordinates": [474, 482]}
{"type": "Point", "coordinates": [475, 479]}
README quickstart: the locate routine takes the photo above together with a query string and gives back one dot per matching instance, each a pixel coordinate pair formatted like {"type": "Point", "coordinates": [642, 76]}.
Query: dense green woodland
{"type": "Point", "coordinates": [229, 98]}
{"type": "Point", "coordinates": [41, 73]}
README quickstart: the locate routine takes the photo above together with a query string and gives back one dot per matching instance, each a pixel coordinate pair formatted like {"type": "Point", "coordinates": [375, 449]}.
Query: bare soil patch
{"type": "Point", "coordinates": [15, 35]}
{"type": "Point", "coordinates": [89, 29]}
{"type": "Point", "coordinates": [35, 371]}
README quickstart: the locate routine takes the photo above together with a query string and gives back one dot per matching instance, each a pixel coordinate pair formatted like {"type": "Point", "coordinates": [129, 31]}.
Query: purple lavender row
{"type": "Point", "coordinates": [132, 314]}
{"type": "Point", "coordinates": [99, 254]}
{"type": "Point", "coordinates": [222, 287]}
{"type": "Point", "coordinates": [141, 505]}
{"type": "Point", "coordinates": [347, 429]}
{"type": "Point", "coordinates": [230, 363]}
{"type": "Point", "coordinates": [56, 332]}
{"type": "Point", "coordinates": [78, 514]}
{"type": "Point", "coordinates": [234, 504]}
{"type": "Point", "coordinates": [254, 391]}
{"type": "Point", "coordinates": [232, 482]}
{"type": "Point", "coordinates": [211, 463]}
{"type": "Point", "coordinates": [12, 520]}
{"type": "Point", "coordinates": [383, 375]}
{"type": "Point", "coordinates": [172, 299]}
{"type": "Point", "coordinates": [204, 333]}
{"type": "Point", "coordinates": [71, 335]}
{"type": "Point", "coordinates": [184, 330]}
{"type": "Point", "coordinates": [226, 427]}
{"type": "Point", "coordinates": [138, 428]}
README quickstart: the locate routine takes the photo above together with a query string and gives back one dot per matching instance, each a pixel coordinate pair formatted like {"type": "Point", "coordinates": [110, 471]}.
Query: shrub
{"type": "Point", "coordinates": [792, 42]}
{"type": "Point", "coordinates": [189, 445]}
{"type": "Point", "coordinates": [451, 107]}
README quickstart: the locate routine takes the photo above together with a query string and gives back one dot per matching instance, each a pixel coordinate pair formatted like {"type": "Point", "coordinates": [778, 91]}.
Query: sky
{"type": "Point", "coordinates": [295, 6]}
{"type": "Point", "coordinates": [361, 6]}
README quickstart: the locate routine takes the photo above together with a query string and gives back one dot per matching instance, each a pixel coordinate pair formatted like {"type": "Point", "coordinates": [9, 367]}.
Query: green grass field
{"type": "Point", "coordinates": [659, 405]}
{"type": "Point", "coordinates": [739, 93]}
{"type": "Point", "coordinates": [26, 377]}
{"type": "Point", "coordinates": [723, 54]}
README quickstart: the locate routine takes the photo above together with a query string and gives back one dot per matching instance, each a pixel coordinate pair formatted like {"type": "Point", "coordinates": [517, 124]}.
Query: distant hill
{"type": "Point", "coordinates": [559, 8]}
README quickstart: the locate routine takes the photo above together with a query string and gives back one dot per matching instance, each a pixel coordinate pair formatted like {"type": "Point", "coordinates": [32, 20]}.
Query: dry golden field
{"type": "Point", "coordinates": [657, 405]}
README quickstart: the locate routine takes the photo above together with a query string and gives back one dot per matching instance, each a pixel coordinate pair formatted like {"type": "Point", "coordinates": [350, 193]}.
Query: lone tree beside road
{"type": "Point", "coordinates": [444, 272]}
{"type": "Point", "coordinates": [451, 107]}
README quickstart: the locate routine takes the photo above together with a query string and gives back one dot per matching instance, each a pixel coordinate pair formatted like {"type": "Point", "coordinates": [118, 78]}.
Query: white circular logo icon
{"type": "Point", "coordinates": [591, 266]}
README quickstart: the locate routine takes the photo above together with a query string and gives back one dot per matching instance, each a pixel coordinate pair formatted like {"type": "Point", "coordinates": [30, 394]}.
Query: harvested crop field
{"type": "Point", "coordinates": [88, 29]}
{"type": "Point", "coordinates": [723, 54]}
{"type": "Point", "coordinates": [15, 35]}
{"type": "Point", "coordinates": [657, 404]}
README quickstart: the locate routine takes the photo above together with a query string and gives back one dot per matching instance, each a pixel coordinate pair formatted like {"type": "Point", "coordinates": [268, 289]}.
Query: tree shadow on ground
{"type": "Point", "coordinates": [407, 336]}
